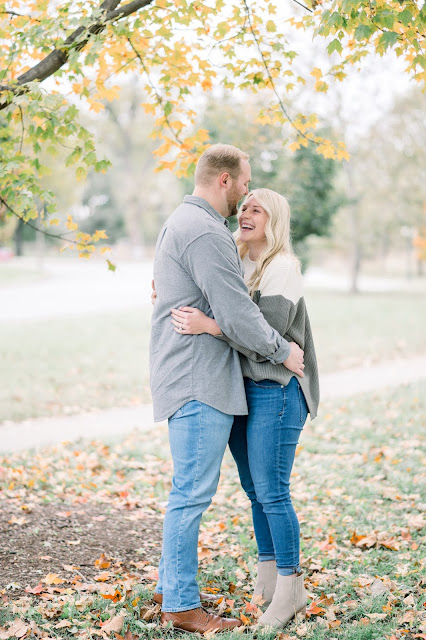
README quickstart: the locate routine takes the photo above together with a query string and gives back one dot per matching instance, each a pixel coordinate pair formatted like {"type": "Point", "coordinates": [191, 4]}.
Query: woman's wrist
{"type": "Point", "coordinates": [213, 328]}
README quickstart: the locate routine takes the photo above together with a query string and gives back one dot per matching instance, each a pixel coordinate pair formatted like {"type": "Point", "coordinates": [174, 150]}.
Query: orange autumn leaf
{"type": "Point", "coordinates": [103, 577]}
{"type": "Point", "coordinates": [356, 538]}
{"type": "Point", "coordinates": [334, 623]}
{"type": "Point", "coordinates": [114, 597]}
{"type": "Point", "coordinates": [246, 621]}
{"type": "Point", "coordinates": [102, 562]}
{"type": "Point", "coordinates": [314, 610]}
{"type": "Point", "coordinates": [52, 578]}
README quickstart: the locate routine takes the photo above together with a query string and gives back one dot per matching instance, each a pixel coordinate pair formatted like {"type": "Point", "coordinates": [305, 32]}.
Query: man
{"type": "Point", "coordinates": [196, 381]}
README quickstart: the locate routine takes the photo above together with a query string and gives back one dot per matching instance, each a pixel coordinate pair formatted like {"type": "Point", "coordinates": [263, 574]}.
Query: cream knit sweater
{"type": "Point", "coordinates": [280, 299]}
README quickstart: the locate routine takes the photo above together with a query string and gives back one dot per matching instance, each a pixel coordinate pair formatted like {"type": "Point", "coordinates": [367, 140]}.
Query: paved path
{"type": "Point", "coordinates": [69, 287]}
{"type": "Point", "coordinates": [114, 423]}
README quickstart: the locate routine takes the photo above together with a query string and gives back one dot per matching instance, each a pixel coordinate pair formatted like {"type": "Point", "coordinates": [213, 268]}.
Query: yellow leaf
{"type": "Point", "coordinates": [71, 225]}
{"type": "Point", "coordinates": [52, 578]}
{"type": "Point", "coordinates": [316, 73]}
{"type": "Point", "coordinates": [95, 105]}
{"type": "Point", "coordinates": [54, 221]}
{"type": "Point", "coordinates": [100, 234]}
{"type": "Point", "coordinates": [294, 146]}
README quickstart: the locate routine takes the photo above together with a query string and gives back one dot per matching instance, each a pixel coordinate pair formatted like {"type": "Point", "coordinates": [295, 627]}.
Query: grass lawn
{"type": "Point", "coordinates": [67, 365]}
{"type": "Point", "coordinates": [357, 489]}
{"type": "Point", "coordinates": [351, 331]}
{"type": "Point", "coordinates": [12, 274]}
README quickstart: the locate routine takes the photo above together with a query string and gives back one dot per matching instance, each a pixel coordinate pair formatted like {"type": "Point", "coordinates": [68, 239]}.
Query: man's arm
{"type": "Point", "coordinates": [213, 264]}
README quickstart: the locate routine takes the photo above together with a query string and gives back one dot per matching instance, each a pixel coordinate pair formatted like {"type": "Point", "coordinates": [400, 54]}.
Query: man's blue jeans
{"type": "Point", "coordinates": [198, 437]}
{"type": "Point", "coordinates": [263, 445]}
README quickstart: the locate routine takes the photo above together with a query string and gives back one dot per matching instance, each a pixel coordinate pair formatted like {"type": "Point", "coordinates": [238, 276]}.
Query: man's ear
{"type": "Point", "coordinates": [224, 179]}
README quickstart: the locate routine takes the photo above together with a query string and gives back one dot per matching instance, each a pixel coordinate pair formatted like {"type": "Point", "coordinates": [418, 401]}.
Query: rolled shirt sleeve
{"type": "Point", "coordinates": [212, 261]}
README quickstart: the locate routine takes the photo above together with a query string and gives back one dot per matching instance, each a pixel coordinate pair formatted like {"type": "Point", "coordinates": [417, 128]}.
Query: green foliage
{"type": "Point", "coordinates": [178, 49]}
{"type": "Point", "coordinates": [309, 183]}
{"type": "Point", "coordinates": [305, 178]}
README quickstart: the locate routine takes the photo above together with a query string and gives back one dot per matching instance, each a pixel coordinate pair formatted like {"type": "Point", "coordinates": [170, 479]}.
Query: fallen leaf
{"type": "Point", "coordinates": [376, 616]}
{"type": "Point", "coordinates": [63, 623]}
{"type": "Point", "coordinates": [314, 610]}
{"type": "Point", "coordinates": [38, 589]}
{"type": "Point", "coordinates": [103, 577]}
{"type": "Point", "coordinates": [378, 588]}
{"type": "Point", "coordinates": [147, 614]}
{"type": "Point", "coordinates": [102, 562]}
{"type": "Point", "coordinates": [18, 521]}
{"type": "Point", "coordinates": [114, 624]}
{"type": "Point", "coordinates": [302, 630]}
{"type": "Point", "coordinates": [350, 604]}
{"type": "Point", "coordinates": [417, 521]}
{"type": "Point", "coordinates": [367, 541]}
{"type": "Point", "coordinates": [18, 628]}
{"type": "Point", "coordinates": [245, 620]}
{"type": "Point", "coordinates": [334, 623]}
{"type": "Point", "coordinates": [52, 578]}
{"type": "Point", "coordinates": [409, 617]}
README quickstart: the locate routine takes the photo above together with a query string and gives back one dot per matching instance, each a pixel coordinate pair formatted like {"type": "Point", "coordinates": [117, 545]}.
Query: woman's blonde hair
{"type": "Point", "coordinates": [277, 232]}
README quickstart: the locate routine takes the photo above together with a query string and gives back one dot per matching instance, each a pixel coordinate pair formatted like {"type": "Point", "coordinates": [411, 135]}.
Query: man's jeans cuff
{"type": "Point", "coordinates": [179, 609]}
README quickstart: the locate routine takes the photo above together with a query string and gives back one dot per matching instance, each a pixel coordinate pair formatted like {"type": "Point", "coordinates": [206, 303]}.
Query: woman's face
{"type": "Point", "coordinates": [252, 221]}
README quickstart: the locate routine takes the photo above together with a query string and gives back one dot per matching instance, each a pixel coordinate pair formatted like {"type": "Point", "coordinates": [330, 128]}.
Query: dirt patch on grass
{"type": "Point", "coordinates": [54, 538]}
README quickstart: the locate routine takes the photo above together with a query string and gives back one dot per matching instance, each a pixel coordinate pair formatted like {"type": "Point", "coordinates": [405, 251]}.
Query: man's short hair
{"type": "Point", "coordinates": [217, 159]}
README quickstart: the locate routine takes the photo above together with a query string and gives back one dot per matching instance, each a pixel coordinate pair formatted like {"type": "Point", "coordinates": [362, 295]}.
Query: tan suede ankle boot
{"type": "Point", "coordinates": [265, 583]}
{"type": "Point", "coordinates": [289, 599]}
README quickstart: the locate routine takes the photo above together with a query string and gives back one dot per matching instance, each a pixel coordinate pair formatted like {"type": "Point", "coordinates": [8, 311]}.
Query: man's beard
{"type": "Point", "coordinates": [232, 202]}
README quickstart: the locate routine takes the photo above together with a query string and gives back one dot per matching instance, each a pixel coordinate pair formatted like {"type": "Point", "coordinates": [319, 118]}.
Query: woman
{"type": "Point", "coordinates": [263, 443]}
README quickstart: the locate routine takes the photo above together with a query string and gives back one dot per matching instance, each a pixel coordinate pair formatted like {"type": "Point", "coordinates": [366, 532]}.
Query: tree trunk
{"type": "Point", "coordinates": [19, 240]}
{"type": "Point", "coordinates": [355, 245]}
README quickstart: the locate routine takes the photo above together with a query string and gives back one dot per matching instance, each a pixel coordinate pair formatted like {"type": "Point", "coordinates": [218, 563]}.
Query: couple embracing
{"type": "Point", "coordinates": [232, 362]}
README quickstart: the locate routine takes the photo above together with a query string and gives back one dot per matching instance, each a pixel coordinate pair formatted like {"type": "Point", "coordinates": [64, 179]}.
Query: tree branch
{"type": "Point", "coordinates": [19, 15]}
{"type": "Point", "coordinates": [57, 236]}
{"type": "Point", "coordinates": [77, 41]}
{"type": "Point", "coordinates": [303, 6]}
{"type": "Point", "coordinates": [270, 78]}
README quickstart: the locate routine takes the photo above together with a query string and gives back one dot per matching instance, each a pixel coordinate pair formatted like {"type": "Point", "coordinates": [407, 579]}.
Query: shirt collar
{"type": "Point", "coordinates": [200, 202]}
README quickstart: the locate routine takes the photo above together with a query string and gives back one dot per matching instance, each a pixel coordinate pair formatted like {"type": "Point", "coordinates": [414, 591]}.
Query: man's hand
{"type": "Point", "coordinates": [294, 361]}
{"type": "Point", "coordinates": [154, 293]}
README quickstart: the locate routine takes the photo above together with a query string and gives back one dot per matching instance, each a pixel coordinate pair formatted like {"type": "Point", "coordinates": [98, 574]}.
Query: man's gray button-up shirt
{"type": "Point", "coordinates": [197, 265]}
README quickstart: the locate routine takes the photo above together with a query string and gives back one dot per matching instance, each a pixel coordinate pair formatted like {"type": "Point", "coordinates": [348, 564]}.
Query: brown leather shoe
{"type": "Point", "coordinates": [199, 621]}
{"type": "Point", "coordinates": [206, 598]}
